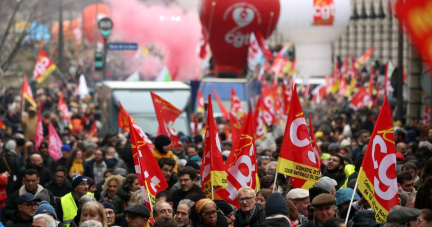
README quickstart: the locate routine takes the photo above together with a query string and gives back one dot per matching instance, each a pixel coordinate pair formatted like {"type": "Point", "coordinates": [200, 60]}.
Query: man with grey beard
{"type": "Point", "coordinates": [182, 213]}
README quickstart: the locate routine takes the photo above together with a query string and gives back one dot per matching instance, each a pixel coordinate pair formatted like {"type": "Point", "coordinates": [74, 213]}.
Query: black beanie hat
{"type": "Point", "coordinates": [276, 203]}
{"type": "Point", "coordinates": [315, 191]}
{"type": "Point", "coordinates": [224, 206]}
{"type": "Point", "coordinates": [160, 141]}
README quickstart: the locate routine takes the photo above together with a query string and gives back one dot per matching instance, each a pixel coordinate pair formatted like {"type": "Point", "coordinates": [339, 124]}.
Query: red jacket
{"type": "Point", "coordinates": [3, 195]}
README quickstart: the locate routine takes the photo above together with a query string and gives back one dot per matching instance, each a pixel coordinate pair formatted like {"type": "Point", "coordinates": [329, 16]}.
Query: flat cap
{"type": "Point", "coordinates": [401, 215]}
{"type": "Point", "coordinates": [139, 210]}
{"type": "Point", "coordinates": [297, 193]}
{"type": "Point", "coordinates": [323, 199]}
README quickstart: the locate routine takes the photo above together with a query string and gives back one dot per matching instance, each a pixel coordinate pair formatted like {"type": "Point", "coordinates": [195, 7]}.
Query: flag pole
{"type": "Point", "coordinates": [212, 192]}
{"type": "Point", "coordinates": [22, 106]}
{"type": "Point", "coordinates": [350, 205]}
{"type": "Point", "coordinates": [274, 183]}
{"type": "Point", "coordinates": [148, 195]}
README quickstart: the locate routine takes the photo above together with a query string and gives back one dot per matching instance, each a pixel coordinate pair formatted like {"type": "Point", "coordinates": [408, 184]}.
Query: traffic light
{"type": "Point", "coordinates": [98, 61]}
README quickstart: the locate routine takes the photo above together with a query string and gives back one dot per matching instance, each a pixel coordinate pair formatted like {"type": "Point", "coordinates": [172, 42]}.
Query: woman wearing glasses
{"type": "Point", "coordinates": [205, 214]}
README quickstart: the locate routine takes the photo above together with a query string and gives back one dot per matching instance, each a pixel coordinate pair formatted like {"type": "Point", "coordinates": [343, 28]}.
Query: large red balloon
{"type": "Point", "coordinates": [90, 16]}
{"type": "Point", "coordinates": [229, 23]}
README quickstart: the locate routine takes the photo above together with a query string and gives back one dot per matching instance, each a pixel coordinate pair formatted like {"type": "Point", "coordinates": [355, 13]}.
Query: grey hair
{"type": "Point", "coordinates": [49, 220]}
{"type": "Point", "coordinates": [188, 202]}
{"type": "Point", "coordinates": [91, 223]}
{"type": "Point", "coordinates": [271, 163]}
{"type": "Point", "coordinates": [136, 198]}
{"type": "Point", "coordinates": [84, 199]}
{"type": "Point", "coordinates": [155, 208]}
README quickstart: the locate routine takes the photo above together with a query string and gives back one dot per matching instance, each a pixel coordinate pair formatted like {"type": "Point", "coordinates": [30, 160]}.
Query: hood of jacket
{"type": "Point", "coordinates": [123, 193]}
{"type": "Point", "coordinates": [16, 217]}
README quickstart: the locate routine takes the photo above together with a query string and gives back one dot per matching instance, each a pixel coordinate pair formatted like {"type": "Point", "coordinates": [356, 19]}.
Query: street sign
{"type": "Point", "coordinates": [122, 46]}
{"type": "Point", "coordinates": [105, 26]}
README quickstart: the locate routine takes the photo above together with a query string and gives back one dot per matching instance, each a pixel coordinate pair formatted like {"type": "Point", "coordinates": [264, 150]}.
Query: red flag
{"type": "Point", "coordinates": [55, 143]}
{"type": "Point", "coordinates": [277, 68]}
{"type": "Point", "coordinates": [126, 127]}
{"type": "Point", "coordinates": [236, 107]}
{"type": "Point", "coordinates": [296, 157]}
{"type": "Point", "coordinates": [377, 176]}
{"type": "Point", "coordinates": [241, 164]}
{"type": "Point", "coordinates": [149, 175]}
{"type": "Point", "coordinates": [277, 100]}
{"type": "Point", "coordinates": [344, 68]}
{"type": "Point", "coordinates": [361, 99]}
{"type": "Point", "coordinates": [263, 45]}
{"type": "Point", "coordinates": [213, 169]}
{"type": "Point", "coordinates": [371, 80]}
{"type": "Point", "coordinates": [39, 136]}
{"type": "Point", "coordinates": [221, 106]}
{"type": "Point", "coordinates": [26, 92]}
{"type": "Point", "coordinates": [235, 128]}
{"type": "Point", "coordinates": [286, 93]}
{"type": "Point", "coordinates": [93, 132]}
{"type": "Point", "coordinates": [63, 108]}
{"type": "Point", "coordinates": [260, 126]}
{"type": "Point", "coordinates": [200, 102]}
{"type": "Point", "coordinates": [415, 16]}
{"type": "Point", "coordinates": [363, 58]}
{"type": "Point", "coordinates": [427, 116]}
{"type": "Point", "coordinates": [343, 86]}
{"type": "Point", "coordinates": [267, 107]}
{"type": "Point", "coordinates": [314, 144]}
{"type": "Point", "coordinates": [319, 93]}
{"type": "Point", "coordinates": [44, 67]}
{"type": "Point", "coordinates": [166, 114]}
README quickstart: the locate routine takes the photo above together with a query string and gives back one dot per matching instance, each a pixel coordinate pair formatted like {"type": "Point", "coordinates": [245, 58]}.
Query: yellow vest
{"type": "Point", "coordinates": [349, 169]}
{"type": "Point", "coordinates": [69, 209]}
{"type": "Point", "coordinates": [90, 193]}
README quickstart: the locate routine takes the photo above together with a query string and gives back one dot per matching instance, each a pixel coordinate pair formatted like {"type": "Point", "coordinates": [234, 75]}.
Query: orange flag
{"type": "Point", "coordinates": [2, 125]}
{"type": "Point", "coordinates": [166, 114]}
{"type": "Point", "coordinates": [377, 176]}
{"type": "Point", "coordinates": [44, 67]}
{"type": "Point", "coordinates": [296, 158]}
{"type": "Point", "coordinates": [149, 175]}
{"type": "Point", "coordinates": [200, 102]}
{"type": "Point", "coordinates": [221, 106]}
{"type": "Point", "coordinates": [260, 126]}
{"type": "Point", "coordinates": [123, 119]}
{"type": "Point", "coordinates": [236, 107]}
{"type": "Point", "coordinates": [241, 164]}
{"type": "Point", "coordinates": [93, 132]}
{"type": "Point", "coordinates": [39, 135]}
{"type": "Point", "coordinates": [26, 93]}
{"type": "Point", "coordinates": [213, 169]}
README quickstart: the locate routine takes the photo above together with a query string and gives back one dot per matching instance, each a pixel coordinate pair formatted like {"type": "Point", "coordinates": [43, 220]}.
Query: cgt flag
{"type": "Point", "coordinates": [296, 158]}
{"type": "Point", "coordinates": [124, 124]}
{"type": "Point", "coordinates": [377, 176]}
{"type": "Point", "coordinates": [26, 93]}
{"type": "Point", "coordinates": [236, 107]}
{"type": "Point", "coordinates": [361, 99]}
{"type": "Point", "coordinates": [213, 169]}
{"type": "Point", "coordinates": [260, 126]}
{"type": "Point", "coordinates": [363, 58]}
{"type": "Point", "coordinates": [241, 164]}
{"type": "Point", "coordinates": [149, 175]}
{"type": "Point", "coordinates": [93, 132]}
{"type": "Point", "coordinates": [224, 111]}
{"type": "Point", "coordinates": [166, 114]}
{"type": "Point", "coordinates": [235, 128]}
{"type": "Point", "coordinates": [44, 67]}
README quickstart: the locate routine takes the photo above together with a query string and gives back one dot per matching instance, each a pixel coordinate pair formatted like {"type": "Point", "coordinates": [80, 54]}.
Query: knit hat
{"type": "Point", "coordinates": [43, 195]}
{"type": "Point", "coordinates": [345, 142]}
{"type": "Point", "coordinates": [108, 205]}
{"type": "Point", "coordinates": [334, 145]}
{"type": "Point", "coordinates": [10, 145]}
{"type": "Point", "coordinates": [315, 191]}
{"type": "Point", "coordinates": [160, 141]}
{"type": "Point", "coordinates": [66, 147]}
{"type": "Point", "coordinates": [45, 207]}
{"type": "Point", "coordinates": [276, 203]}
{"type": "Point", "coordinates": [43, 145]}
{"type": "Point", "coordinates": [193, 164]}
{"type": "Point", "coordinates": [344, 195]}
{"type": "Point", "coordinates": [77, 180]}
{"type": "Point", "coordinates": [224, 206]}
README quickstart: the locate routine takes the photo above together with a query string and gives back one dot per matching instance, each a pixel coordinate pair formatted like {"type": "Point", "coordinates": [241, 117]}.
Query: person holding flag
{"type": "Point", "coordinates": [162, 149]}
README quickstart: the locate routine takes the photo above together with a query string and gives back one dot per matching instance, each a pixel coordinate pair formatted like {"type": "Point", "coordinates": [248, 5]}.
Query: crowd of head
{"type": "Point", "coordinates": [94, 183]}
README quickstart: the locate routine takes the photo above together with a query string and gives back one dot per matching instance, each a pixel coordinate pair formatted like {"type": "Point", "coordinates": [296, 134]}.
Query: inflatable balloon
{"type": "Point", "coordinates": [90, 16]}
{"type": "Point", "coordinates": [228, 25]}
{"type": "Point", "coordinates": [312, 25]}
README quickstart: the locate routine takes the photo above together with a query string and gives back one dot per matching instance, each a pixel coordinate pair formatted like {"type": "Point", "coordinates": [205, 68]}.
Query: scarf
{"type": "Point", "coordinates": [77, 167]}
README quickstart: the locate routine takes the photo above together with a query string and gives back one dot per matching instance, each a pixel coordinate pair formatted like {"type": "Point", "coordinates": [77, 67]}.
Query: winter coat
{"type": "Point", "coordinates": [340, 177]}
{"type": "Point", "coordinates": [158, 156]}
{"type": "Point", "coordinates": [276, 221]}
{"type": "Point", "coordinates": [9, 161]}
{"type": "Point", "coordinates": [180, 194]}
{"type": "Point", "coordinates": [76, 167]}
{"type": "Point", "coordinates": [59, 191]}
{"type": "Point", "coordinates": [29, 126]}
{"type": "Point", "coordinates": [48, 162]}
{"type": "Point", "coordinates": [17, 221]}
{"type": "Point", "coordinates": [12, 203]}
{"type": "Point", "coordinates": [88, 167]}
{"type": "Point", "coordinates": [256, 219]}
{"type": "Point", "coordinates": [120, 201]}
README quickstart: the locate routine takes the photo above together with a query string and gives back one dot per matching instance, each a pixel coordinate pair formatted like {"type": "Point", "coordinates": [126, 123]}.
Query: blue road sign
{"type": "Point", "coordinates": [122, 46]}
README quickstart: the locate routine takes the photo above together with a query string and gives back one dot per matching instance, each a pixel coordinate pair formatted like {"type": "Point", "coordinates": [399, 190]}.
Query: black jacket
{"type": "Point", "coordinates": [18, 221]}
{"type": "Point", "coordinates": [44, 175]}
{"type": "Point", "coordinates": [88, 166]}
{"type": "Point", "coordinates": [62, 162]}
{"type": "Point", "coordinates": [9, 161]}
{"type": "Point", "coordinates": [276, 222]}
{"type": "Point", "coordinates": [119, 201]}
{"type": "Point", "coordinates": [257, 218]}
{"type": "Point", "coordinates": [48, 162]}
{"type": "Point", "coordinates": [59, 191]}
{"type": "Point", "coordinates": [179, 194]}
{"type": "Point", "coordinates": [12, 203]}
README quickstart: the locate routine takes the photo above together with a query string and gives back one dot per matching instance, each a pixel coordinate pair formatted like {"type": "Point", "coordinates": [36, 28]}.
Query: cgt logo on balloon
{"type": "Point", "coordinates": [324, 11]}
{"type": "Point", "coordinates": [243, 14]}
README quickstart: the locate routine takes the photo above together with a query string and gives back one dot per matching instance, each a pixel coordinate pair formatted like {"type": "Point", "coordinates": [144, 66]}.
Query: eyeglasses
{"type": "Point", "coordinates": [30, 205]}
{"type": "Point", "coordinates": [209, 213]}
{"type": "Point", "coordinates": [247, 199]}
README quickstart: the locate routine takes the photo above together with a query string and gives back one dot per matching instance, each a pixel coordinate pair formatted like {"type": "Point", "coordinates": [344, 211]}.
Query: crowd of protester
{"type": "Point", "coordinates": [95, 184]}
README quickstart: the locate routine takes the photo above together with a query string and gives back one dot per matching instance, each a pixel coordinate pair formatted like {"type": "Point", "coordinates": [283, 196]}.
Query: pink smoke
{"type": "Point", "coordinates": [176, 30]}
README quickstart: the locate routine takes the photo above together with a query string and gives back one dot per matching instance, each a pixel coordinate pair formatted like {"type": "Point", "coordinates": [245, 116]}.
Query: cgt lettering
{"type": "Point", "coordinates": [237, 39]}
